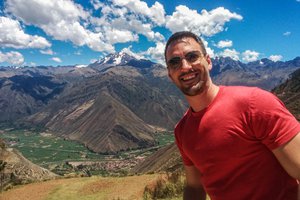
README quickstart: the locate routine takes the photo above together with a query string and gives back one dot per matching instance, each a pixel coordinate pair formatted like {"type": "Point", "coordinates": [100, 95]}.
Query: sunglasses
{"type": "Point", "coordinates": [191, 57]}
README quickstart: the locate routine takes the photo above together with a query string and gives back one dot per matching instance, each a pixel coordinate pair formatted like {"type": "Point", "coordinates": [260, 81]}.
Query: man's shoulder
{"type": "Point", "coordinates": [243, 92]}
{"type": "Point", "coordinates": [183, 120]}
{"type": "Point", "coordinates": [254, 93]}
{"type": "Point", "coordinates": [240, 89]}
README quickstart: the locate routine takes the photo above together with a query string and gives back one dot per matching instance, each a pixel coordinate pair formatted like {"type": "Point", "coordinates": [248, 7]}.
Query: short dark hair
{"type": "Point", "coordinates": [185, 34]}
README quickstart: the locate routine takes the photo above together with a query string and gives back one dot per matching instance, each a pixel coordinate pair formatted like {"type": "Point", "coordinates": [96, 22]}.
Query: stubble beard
{"type": "Point", "coordinates": [198, 88]}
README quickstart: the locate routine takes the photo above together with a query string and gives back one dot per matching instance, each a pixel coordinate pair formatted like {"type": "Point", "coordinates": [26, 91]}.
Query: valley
{"type": "Point", "coordinates": [63, 156]}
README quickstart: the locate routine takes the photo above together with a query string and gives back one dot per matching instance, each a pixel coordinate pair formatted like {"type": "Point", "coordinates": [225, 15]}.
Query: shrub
{"type": "Point", "coordinates": [168, 186]}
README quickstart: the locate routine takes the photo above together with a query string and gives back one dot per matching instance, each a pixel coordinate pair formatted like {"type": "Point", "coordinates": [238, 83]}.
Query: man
{"type": "Point", "coordinates": [236, 142]}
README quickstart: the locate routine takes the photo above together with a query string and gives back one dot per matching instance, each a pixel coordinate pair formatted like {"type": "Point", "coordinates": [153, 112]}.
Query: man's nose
{"type": "Point", "coordinates": [185, 65]}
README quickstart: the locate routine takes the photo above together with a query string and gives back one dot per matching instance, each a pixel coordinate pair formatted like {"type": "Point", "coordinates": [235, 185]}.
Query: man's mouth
{"type": "Point", "coordinates": [189, 77]}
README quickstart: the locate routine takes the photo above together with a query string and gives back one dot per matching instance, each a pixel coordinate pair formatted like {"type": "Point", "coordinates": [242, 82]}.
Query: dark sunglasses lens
{"type": "Point", "coordinates": [192, 57]}
{"type": "Point", "coordinates": [174, 62]}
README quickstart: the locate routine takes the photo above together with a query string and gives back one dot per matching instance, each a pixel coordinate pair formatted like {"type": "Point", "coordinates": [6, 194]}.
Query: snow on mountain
{"type": "Point", "coordinates": [81, 66]}
{"type": "Point", "coordinates": [120, 58]}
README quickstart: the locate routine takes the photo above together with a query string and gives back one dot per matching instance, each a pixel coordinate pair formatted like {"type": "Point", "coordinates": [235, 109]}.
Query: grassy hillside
{"type": "Point", "coordinates": [93, 188]}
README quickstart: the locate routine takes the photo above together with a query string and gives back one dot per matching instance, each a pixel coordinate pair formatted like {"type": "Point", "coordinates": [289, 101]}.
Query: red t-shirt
{"type": "Point", "coordinates": [230, 143]}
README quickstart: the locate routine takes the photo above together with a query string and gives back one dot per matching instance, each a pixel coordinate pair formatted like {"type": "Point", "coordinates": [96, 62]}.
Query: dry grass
{"type": "Point", "coordinates": [94, 188]}
{"type": "Point", "coordinates": [169, 186]}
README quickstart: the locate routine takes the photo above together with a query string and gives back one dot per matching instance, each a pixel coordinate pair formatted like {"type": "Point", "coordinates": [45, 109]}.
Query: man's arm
{"type": "Point", "coordinates": [193, 189]}
{"type": "Point", "coordinates": [289, 157]}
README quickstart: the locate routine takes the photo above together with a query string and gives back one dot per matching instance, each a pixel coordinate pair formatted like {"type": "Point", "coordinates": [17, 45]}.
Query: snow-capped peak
{"type": "Point", "coordinates": [120, 58]}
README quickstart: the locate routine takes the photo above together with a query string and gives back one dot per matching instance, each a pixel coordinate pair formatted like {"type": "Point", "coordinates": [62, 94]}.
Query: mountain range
{"type": "Point", "coordinates": [117, 103]}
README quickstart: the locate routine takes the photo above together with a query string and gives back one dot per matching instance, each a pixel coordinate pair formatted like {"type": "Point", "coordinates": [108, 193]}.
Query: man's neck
{"type": "Point", "coordinates": [199, 102]}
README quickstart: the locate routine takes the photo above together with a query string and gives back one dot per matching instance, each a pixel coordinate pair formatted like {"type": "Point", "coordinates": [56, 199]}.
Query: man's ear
{"type": "Point", "coordinates": [209, 63]}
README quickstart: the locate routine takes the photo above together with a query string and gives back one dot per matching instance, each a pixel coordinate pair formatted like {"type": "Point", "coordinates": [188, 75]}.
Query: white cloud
{"type": "Point", "coordinates": [96, 4]}
{"type": "Point", "coordinates": [209, 50]}
{"type": "Point", "coordinates": [12, 35]}
{"type": "Point", "coordinates": [118, 21]}
{"type": "Point", "coordinates": [206, 23]}
{"type": "Point", "coordinates": [67, 21]}
{"type": "Point", "coordinates": [276, 58]}
{"type": "Point", "coordinates": [56, 59]}
{"type": "Point", "coordinates": [224, 43]}
{"type": "Point", "coordinates": [232, 53]}
{"type": "Point", "coordinates": [12, 57]}
{"type": "Point", "coordinates": [156, 12]}
{"type": "Point", "coordinates": [288, 33]}
{"type": "Point", "coordinates": [130, 17]}
{"type": "Point", "coordinates": [32, 64]}
{"type": "Point", "coordinates": [134, 25]}
{"type": "Point", "coordinates": [131, 53]}
{"type": "Point", "coordinates": [49, 12]}
{"type": "Point", "coordinates": [250, 56]}
{"type": "Point", "coordinates": [157, 53]}
{"type": "Point", "coordinates": [47, 52]}
{"type": "Point", "coordinates": [119, 36]}
{"type": "Point", "coordinates": [61, 19]}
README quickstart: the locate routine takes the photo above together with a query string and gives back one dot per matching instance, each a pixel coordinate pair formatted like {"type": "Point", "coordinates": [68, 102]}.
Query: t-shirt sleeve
{"type": "Point", "coordinates": [270, 120]}
{"type": "Point", "coordinates": [185, 159]}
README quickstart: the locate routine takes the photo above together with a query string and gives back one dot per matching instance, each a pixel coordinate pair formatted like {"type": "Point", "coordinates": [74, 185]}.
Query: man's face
{"type": "Point", "coordinates": [188, 67]}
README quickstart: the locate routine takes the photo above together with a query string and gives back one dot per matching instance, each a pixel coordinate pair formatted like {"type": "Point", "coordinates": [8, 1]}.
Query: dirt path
{"type": "Point", "coordinates": [104, 188]}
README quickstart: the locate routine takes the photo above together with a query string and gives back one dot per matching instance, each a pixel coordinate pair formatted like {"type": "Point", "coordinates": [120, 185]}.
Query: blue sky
{"type": "Point", "coordinates": [65, 32]}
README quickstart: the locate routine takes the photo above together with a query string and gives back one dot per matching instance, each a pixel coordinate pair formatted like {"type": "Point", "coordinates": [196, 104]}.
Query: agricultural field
{"type": "Point", "coordinates": [61, 155]}
{"type": "Point", "coordinates": [44, 148]}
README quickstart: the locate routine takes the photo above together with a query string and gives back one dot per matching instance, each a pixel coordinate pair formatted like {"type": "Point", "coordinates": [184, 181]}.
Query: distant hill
{"type": "Point", "coordinates": [166, 159]}
{"type": "Point", "coordinates": [116, 103]}
{"type": "Point", "coordinates": [289, 93]}
{"type": "Point", "coordinates": [19, 170]}
{"type": "Point", "coordinates": [99, 121]}
{"type": "Point", "coordinates": [263, 73]}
